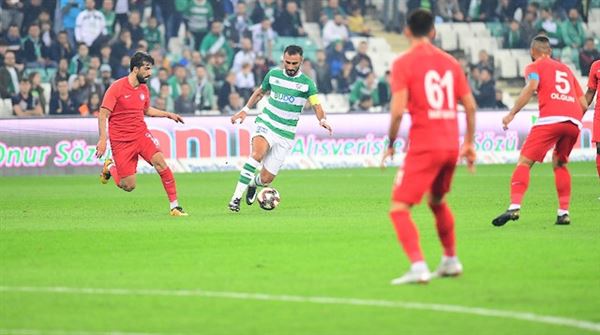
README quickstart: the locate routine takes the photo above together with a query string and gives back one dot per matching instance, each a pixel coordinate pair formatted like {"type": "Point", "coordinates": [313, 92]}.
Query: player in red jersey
{"type": "Point", "coordinates": [562, 105]}
{"type": "Point", "coordinates": [593, 83]}
{"type": "Point", "coordinates": [429, 82]}
{"type": "Point", "coordinates": [125, 103]}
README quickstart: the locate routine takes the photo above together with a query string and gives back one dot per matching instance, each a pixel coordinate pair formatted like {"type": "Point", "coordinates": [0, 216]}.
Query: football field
{"type": "Point", "coordinates": [78, 257]}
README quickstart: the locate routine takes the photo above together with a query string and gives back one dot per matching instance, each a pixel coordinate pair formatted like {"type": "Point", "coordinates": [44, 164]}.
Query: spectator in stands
{"type": "Point", "coordinates": [336, 58]}
{"type": "Point", "coordinates": [482, 10]}
{"type": "Point", "coordinates": [95, 63]}
{"type": "Point", "coordinates": [356, 23]}
{"type": "Point", "coordinates": [76, 89]}
{"type": "Point", "coordinates": [48, 37]}
{"type": "Point", "coordinates": [449, 11]}
{"type": "Point", "coordinates": [363, 89]}
{"type": "Point", "coordinates": [384, 90]}
{"type": "Point", "coordinates": [156, 81]}
{"type": "Point", "coordinates": [81, 61]}
{"type": "Point", "coordinates": [91, 107]}
{"type": "Point", "coordinates": [3, 50]}
{"type": "Point", "coordinates": [124, 46]}
{"type": "Point", "coordinates": [91, 85]}
{"type": "Point", "coordinates": [31, 13]}
{"type": "Point", "coordinates": [106, 76]}
{"type": "Point", "coordinates": [237, 24]}
{"type": "Point", "coordinates": [487, 90]}
{"type": "Point", "coordinates": [152, 35]}
{"type": "Point", "coordinates": [217, 69]}
{"type": "Point", "coordinates": [105, 53]}
{"type": "Point", "coordinates": [13, 39]}
{"type": "Point", "coordinates": [226, 89]}
{"type": "Point", "coordinates": [323, 73]}
{"type": "Point", "coordinates": [505, 11]}
{"type": "Point", "coordinates": [165, 94]}
{"type": "Point", "coordinates": [24, 104]}
{"type": "Point", "coordinates": [308, 70]}
{"type": "Point", "coordinates": [61, 48]}
{"type": "Point", "coordinates": [573, 35]}
{"type": "Point", "coordinates": [344, 79]}
{"type": "Point", "coordinates": [33, 49]}
{"type": "Point", "coordinates": [184, 103]}
{"type": "Point", "coordinates": [122, 68]}
{"type": "Point", "coordinates": [235, 103]}
{"type": "Point", "coordinates": [10, 75]}
{"type": "Point", "coordinates": [499, 103]}
{"type": "Point", "coordinates": [336, 30]}
{"type": "Point", "coordinates": [513, 38]}
{"type": "Point", "coordinates": [222, 8]}
{"type": "Point", "coordinates": [61, 102]}
{"type": "Point", "coordinates": [160, 103]}
{"type": "Point", "coordinates": [263, 38]}
{"type": "Point", "coordinates": [474, 79]}
{"type": "Point", "coordinates": [361, 52]}
{"type": "Point", "coordinates": [90, 24]}
{"type": "Point", "coordinates": [204, 92]}
{"type": "Point", "coordinates": [62, 73]}
{"type": "Point", "coordinates": [134, 27]}
{"type": "Point", "coordinates": [179, 77]}
{"type": "Point", "coordinates": [110, 17]}
{"type": "Point", "coordinates": [485, 62]}
{"type": "Point", "coordinates": [37, 91]}
{"type": "Point", "coordinates": [263, 9]}
{"type": "Point", "coordinates": [587, 56]}
{"type": "Point", "coordinates": [215, 42]}
{"type": "Point", "coordinates": [69, 10]}
{"type": "Point", "coordinates": [528, 24]}
{"type": "Point", "coordinates": [244, 81]}
{"type": "Point", "coordinates": [362, 69]}
{"type": "Point", "coordinates": [331, 10]}
{"type": "Point", "coordinates": [245, 55]}
{"type": "Point", "coordinates": [261, 67]}
{"type": "Point", "coordinates": [551, 27]}
{"type": "Point", "coordinates": [11, 13]}
{"type": "Point", "coordinates": [288, 22]}
{"type": "Point", "coordinates": [200, 13]}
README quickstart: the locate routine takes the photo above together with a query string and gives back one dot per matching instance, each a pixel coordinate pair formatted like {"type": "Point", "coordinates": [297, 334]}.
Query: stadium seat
{"type": "Point", "coordinates": [495, 28]}
{"type": "Point", "coordinates": [506, 63]}
{"type": "Point", "coordinates": [336, 103]}
{"type": "Point", "coordinates": [47, 89]}
{"type": "Point", "coordinates": [6, 108]}
{"type": "Point", "coordinates": [446, 37]}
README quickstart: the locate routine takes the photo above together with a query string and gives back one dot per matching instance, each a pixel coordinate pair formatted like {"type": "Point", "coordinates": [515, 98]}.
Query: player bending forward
{"type": "Point", "coordinates": [125, 103]}
{"type": "Point", "coordinates": [289, 89]}
{"type": "Point", "coordinates": [593, 82]}
{"type": "Point", "coordinates": [562, 105]}
{"type": "Point", "coordinates": [429, 82]}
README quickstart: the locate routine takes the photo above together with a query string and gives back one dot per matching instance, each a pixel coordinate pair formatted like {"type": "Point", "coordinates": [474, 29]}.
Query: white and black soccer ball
{"type": "Point", "coordinates": [268, 198]}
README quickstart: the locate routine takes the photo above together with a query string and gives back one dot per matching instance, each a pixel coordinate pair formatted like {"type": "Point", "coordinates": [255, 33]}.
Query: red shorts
{"type": "Point", "coordinates": [596, 132]}
{"type": "Point", "coordinates": [125, 153]}
{"type": "Point", "coordinates": [562, 136]}
{"type": "Point", "coordinates": [425, 171]}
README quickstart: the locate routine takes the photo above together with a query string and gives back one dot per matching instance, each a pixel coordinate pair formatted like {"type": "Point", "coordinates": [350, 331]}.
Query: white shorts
{"type": "Point", "coordinates": [279, 148]}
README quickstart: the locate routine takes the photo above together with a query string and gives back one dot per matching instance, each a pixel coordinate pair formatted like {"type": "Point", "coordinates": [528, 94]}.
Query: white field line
{"type": "Point", "coordinates": [65, 332]}
{"type": "Point", "coordinates": [524, 316]}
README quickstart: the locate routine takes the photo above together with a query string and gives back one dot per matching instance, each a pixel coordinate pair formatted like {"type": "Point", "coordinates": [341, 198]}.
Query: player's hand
{"type": "Point", "coordinates": [175, 117]}
{"type": "Point", "coordinates": [506, 120]}
{"type": "Point", "coordinates": [100, 148]}
{"type": "Point", "coordinates": [241, 115]}
{"type": "Point", "coordinates": [467, 152]}
{"type": "Point", "coordinates": [389, 153]}
{"type": "Point", "coordinates": [325, 124]}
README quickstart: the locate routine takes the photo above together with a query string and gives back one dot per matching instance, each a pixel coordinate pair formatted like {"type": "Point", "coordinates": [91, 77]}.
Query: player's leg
{"type": "Point", "coordinates": [598, 158]}
{"type": "Point", "coordinates": [596, 139]}
{"type": "Point", "coordinates": [123, 165]}
{"type": "Point", "coordinates": [168, 181]}
{"type": "Point", "coordinates": [260, 146]}
{"type": "Point", "coordinates": [562, 177]}
{"type": "Point", "coordinates": [272, 162]}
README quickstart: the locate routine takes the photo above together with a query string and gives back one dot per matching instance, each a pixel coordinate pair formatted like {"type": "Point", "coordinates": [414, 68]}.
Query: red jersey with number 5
{"type": "Point", "coordinates": [127, 105]}
{"type": "Point", "coordinates": [558, 91]}
{"type": "Point", "coordinates": [435, 82]}
{"type": "Point", "coordinates": [593, 83]}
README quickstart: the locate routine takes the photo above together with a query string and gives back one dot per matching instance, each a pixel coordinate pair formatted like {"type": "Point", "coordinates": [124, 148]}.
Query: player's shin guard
{"type": "Point", "coordinates": [246, 175]}
{"type": "Point", "coordinates": [562, 179]}
{"type": "Point", "coordinates": [444, 221]}
{"type": "Point", "coordinates": [518, 184]}
{"type": "Point", "coordinates": [168, 182]}
{"type": "Point", "coordinates": [407, 235]}
{"type": "Point", "coordinates": [115, 175]}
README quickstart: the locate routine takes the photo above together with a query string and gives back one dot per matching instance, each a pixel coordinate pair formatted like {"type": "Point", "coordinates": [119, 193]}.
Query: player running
{"type": "Point", "coordinates": [593, 82]}
{"type": "Point", "coordinates": [429, 82]}
{"type": "Point", "coordinates": [276, 126]}
{"type": "Point", "coordinates": [562, 105]}
{"type": "Point", "coordinates": [125, 103]}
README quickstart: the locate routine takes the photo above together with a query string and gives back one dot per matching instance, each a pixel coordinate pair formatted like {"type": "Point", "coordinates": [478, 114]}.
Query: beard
{"type": "Point", "coordinates": [142, 79]}
{"type": "Point", "coordinates": [292, 72]}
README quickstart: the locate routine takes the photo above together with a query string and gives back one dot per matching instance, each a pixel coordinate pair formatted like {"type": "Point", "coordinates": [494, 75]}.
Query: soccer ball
{"type": "Point", "coordinates": [268, 198]}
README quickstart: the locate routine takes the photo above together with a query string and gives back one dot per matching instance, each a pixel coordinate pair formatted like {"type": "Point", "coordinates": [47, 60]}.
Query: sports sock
{"type": "Point", "coordinates": [444, 221]}
{"type": "Point", "coordinates": [598, 164]}
{"type": "Point", "coordinates": [256, 181]}
{"type": "Point", "coordinates": [562, 179]}
{"type": "Point", "coordinates": [407, 235]}
{"type": "Point", "coordinates": [246, 175]}
{"type": "Point", "coordinates": [114, 174]}
{"type": "Point", "coordinates": [168, 182]}
{"type": "Point", "coordinates": [518, 184]}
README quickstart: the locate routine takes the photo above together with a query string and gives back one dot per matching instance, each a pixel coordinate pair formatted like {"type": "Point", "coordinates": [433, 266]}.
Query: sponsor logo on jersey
{"type": "Point", "coordinates": [284, 97]}
{"type": "Point", "coordinates": [562, 97]}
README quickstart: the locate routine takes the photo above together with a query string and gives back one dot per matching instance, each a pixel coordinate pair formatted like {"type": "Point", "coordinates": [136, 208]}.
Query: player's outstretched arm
{"type": "Point", "coordinates": [589, 96]}
{"type": "Point", "coordinates": [320, 113]}
{"type": "Point", "coordinates": [467, 151]}
{"type": "Point", "coordinates": [102, 117]}
{"type": "Point", "coordinates": [153, 112]}
{"type": "Point", "coordinates": [397, 107]}
{"type": "Point", "coordinates": [522, 100]}
{"type": "Point", "coordinates": [253, 100]}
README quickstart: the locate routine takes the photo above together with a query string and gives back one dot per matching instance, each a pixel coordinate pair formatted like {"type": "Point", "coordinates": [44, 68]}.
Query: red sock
{"type": "Point", "coordinates": [444, 222]}
{"type": "Point", "coordinates": [115, 175]}
{"type": "Point", "coordinates": [598, 164]}
{"type": "Point", "coordinates": [562, 179]}
{"type": "Point", "coordinates": [169, 183]}
{"type": "Point", "coordinates": [407, 235]}
{"type": "Point", "coordinates": [519, 183]}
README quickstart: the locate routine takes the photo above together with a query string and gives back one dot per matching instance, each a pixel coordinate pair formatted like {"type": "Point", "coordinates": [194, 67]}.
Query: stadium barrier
{"type": "Point", "coordinates": [67, 145]}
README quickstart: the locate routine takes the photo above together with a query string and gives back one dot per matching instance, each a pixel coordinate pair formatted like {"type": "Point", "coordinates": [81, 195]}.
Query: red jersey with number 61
{"type": "Point", "coordinates": [558, 91]}
{"type": "Point", "coordinates": [435, 82]}
{"type": "Point", "coordinates": [127, 105]}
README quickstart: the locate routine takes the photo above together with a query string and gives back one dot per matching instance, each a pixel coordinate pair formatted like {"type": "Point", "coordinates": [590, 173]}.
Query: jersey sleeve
{"type": "Point", "coordinates": [461, 84]}
{"type": "Point", "coordinates": [110, 98]}
{"type": "Point", "coordinates": [312, 89]}
{"type": "Point", "coordinates": [147, 100]}
{"type": "Point", "coordinates": [266, 86]}
{"type": "Point", "coordinates": [531, 73]}
{"type": "Point", "coordinates": [593, 76]}
{"type": "Point", "coordinates": [399, 76]}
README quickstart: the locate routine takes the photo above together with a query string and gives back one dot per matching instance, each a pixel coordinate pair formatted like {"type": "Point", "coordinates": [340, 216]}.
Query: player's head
{"type": "Point", "coordinates": [540, 46]}
{"type": "Point", "coordinates": [292, 59]}
{"type": "Point", "coordinates": [141, 65]}
{"type": "Point", "coordinates": [420, 24]}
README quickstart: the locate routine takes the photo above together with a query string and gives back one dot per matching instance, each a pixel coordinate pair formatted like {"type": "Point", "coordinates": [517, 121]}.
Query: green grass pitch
{"type": "Point", "coordinates": [330, 237]}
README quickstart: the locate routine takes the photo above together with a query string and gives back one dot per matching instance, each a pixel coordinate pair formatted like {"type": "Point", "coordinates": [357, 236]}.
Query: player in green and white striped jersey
{"type": "Point", "coordinates": [289, 90]}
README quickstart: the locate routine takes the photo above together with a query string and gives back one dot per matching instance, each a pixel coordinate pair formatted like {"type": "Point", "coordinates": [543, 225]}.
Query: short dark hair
{"type": "Point", "coordinates": [294, 50]}
{"type": "Point", "coordinates": [420, 22]}
{"type": "Point", "coordinates": [138, 59]}
{"type": "Point", "coordinates": [540, 41]}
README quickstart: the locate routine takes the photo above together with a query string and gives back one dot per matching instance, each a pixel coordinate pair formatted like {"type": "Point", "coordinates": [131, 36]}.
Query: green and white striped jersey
{"type": "Point", "coordinates": [286, 100]}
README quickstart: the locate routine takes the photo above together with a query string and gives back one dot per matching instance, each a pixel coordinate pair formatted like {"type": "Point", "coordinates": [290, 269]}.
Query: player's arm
{"type": "Point", "coordinates": [258, 94]}
{"type": "Point", "coordinates": [523, 99]}
{"type": "Point", "coordinates": [102, 117]}
{"type": "Point", "coordinates": [397, 107]}
{"type": "Point", "coordinates": [468, 148]}
{"type": "Point", "coordinates": [320, 113]}
{"type": "Point", "coordinates": [154, 112]}
{"type": "Point", "coordinates": [589, 96]}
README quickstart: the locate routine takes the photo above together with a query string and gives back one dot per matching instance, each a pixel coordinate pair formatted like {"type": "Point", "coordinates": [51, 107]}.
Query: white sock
{"type": "Point", "coordinates": [419, 266]}
{"type": "Point", "coordinates": [561, 212]}
{"type": "Point", "coordinates": [514, 206]}
{"type": "Point", "coordinates": [246, 176]}
{"type": "Point", "coordinates": [449, 258]}
{"type": "Point", "coordinates": [256, 181]}
{"type": "Point", "coordinates": [174, 204]}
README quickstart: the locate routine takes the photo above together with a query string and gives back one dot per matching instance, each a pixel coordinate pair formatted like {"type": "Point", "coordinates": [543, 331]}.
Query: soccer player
{"type": "Point", "coordinates": [429, 82]}
{"type": "Point", "coordinates": [288, 89]}
{"type": "Point", "coordinates": [125, 103]}
{"type": "Point", "coordinates": [593, 82]}
{"type": "Point", "coordinates": [562, 105]}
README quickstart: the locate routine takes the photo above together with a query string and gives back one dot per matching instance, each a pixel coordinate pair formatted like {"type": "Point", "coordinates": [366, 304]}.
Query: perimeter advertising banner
{"type": "Point", "coordinates": [67, 146]}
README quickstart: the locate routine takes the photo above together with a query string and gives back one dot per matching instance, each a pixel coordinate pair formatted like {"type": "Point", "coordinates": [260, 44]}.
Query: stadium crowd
{"type": "Point", "coordinates": [211, 54]}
